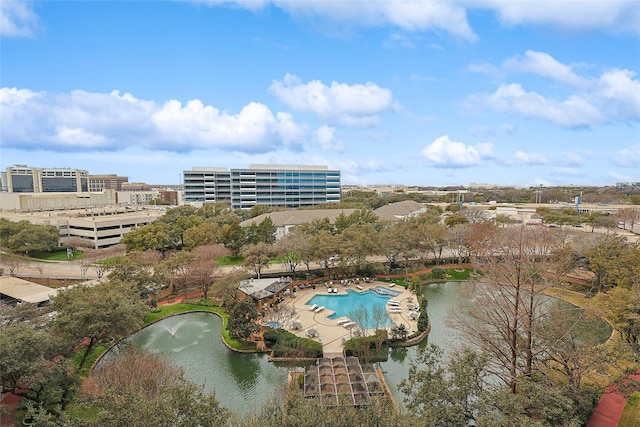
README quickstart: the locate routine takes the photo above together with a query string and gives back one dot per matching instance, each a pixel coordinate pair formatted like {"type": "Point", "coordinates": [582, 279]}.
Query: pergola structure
{"type": "Point", "coordinates": [341, 381]}
{"type": "Point", "coordinates": [265, 291]}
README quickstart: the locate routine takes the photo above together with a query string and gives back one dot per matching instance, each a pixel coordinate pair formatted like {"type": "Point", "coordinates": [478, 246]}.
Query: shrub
{"type": "Point", "coordinates": [438, 273]}
{"type": "Point", "coordinates": [423, 320]}
{"type": "Point", "coordinates": [286, 344]}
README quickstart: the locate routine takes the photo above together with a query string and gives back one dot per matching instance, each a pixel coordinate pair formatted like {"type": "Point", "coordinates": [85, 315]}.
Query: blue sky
{"type": "Point", "coordinates": [398, 92]}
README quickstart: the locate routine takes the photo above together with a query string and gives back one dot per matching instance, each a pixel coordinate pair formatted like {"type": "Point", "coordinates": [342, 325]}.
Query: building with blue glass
{"type": "Point", "coordinates": [25, 179]}
{"type": "Point", "coordinates": [286, 186]}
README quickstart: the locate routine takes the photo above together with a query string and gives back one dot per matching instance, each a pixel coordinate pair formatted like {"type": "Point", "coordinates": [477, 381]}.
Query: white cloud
{"type": "Point", "coordinates": [481, 130]}
{"type": "Point", "coordinates": [531, 158]}
{"type": "Point", "coordinates": [573, 112]}
{"type": "Point", "coordinates": [17, 19]}
{"type": "Point", "coordinates": [614, 16]}
{"type": "Point", "coordinates": [399, 40]}
{"type": "Point", "coordinates": [613, 96]}
{"type": "Point", "coordinates": [84, 120]}
{"type": "Point", "coordinates": [619, 177]}
{"type": "Point", "coordinates": [444, 153]}
{"type": "Point", "coordinates": [409, 15]}
{"type": "Point", "coordinates": [485, 68]}
{"type": "Point", "coordinates": [620, 93]}
{"type": "Point", "coordinates": [325, 138]}
{"type": "Point", "coordinates": [628, 157]}
{"type": "Point", "coordinates": [507, 128]}
{"type": "Point", "coordinates": [564, 173]}
{"type": "Point", "coordinates": [574, 159]}
{"type": "Point", "coordinates": [351, 105]}
{"type": "Point", "coordinates": [545, 65]}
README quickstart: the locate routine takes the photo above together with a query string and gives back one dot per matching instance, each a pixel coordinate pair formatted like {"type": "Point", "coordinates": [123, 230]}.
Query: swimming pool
{"type": "Point", "coordinates": [381, 290]}
{"type": "Point", "coordinates": [344, 304]}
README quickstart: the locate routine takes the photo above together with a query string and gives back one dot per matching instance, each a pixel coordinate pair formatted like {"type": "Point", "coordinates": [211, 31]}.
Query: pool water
{"type": "Point", "coordinates": [344, 304]}
{"type": "Point", "coordinates": [381, 290]}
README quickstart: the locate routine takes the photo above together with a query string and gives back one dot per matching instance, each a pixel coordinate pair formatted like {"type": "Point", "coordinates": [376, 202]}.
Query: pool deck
{"type": "Point", "coordinates": [331, 334]}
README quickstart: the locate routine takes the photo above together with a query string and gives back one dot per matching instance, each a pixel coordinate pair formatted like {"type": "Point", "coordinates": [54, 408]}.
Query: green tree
{"type": "Point", "coordinates": [155, 236]}
{"type": "Point", "coordinates": [258, 209]}
{"type": "Point", "coordinates": [440, 394]}
{"type": "Point", "coordinates": [538, 404]}
{"type": "Point", "coordinates": [607, 259]}
{"type": "Point", "coordinates": [621, 306]}
{"type": "Point", "coordinates": [30, 367]}
{"type": "Point", "coordinates": [455, 219]}
{"type": "Point", "coordinates": [141, 272]}
{"type": "Point", "coordinates": [264, 232]}
{"type": "Point", "coordinates": [232, 237]}
{"type": "Point", "coordinates": [205, 233]}
{"type": "Point", "coordinates": [24, 237]}
{"type": "Point", "coordinates": [242, 318]}
{"type": "Point", "coordinates": [393, 243]}
{"type": "Point", "coordinates": [88, 313]}
{"type": "Point", "coordinates": [257, 256]}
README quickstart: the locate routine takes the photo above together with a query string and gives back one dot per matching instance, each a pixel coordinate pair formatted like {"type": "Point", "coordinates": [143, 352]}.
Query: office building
{"type": "Point", "coordinates": [24, 179]}
{"type": "Point", "coordinates": [106, 182]}
{"type": "Point", "coordinates": [286, 186]}
{"type": "Point", "coordinates": [97, 228]}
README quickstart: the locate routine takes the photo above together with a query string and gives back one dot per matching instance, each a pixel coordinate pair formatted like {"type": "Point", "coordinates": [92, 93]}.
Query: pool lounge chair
{"type": "Point", "coordinates": [359, 287]}
{"type": "Point", "coordinates": [313, 307]}
{"type": "Point", "coordinates": [319, 309]}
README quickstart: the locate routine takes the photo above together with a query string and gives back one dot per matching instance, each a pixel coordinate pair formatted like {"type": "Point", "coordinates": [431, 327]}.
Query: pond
{"type": "Point", "coordinates": [442, 298]}
{"type": "Point", "coordinates": [241, 382]}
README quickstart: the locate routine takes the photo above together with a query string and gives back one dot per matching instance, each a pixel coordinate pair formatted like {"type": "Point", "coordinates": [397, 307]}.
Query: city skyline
{"type": "Point", "coordinates": [405, 92]}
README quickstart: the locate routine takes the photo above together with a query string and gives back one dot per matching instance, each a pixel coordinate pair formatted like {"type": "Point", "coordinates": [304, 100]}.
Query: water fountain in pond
{"type": "Point", "coordinates": [192, 341]}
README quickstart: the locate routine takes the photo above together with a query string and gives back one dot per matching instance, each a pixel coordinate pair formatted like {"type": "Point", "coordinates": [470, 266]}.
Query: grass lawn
{"type": "Point", "coordinates": [454, 274]}
{"type": "Point", "coordinates": [59, 255]}
{"type": "Point", "coordinates": [230, 261]}
{"type": "Point", "coordinates": [631, 414]}
{"type": "Point", "coordinates": [93, 356]}
{"type": "Point", "coordinates": [397, 280]}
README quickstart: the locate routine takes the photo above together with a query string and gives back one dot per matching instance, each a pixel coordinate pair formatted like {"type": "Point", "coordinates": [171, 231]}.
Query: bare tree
{"type": "Point", "coordinates": [15, 265]}
{"type": "Point", "coordinates": [362, 319]}
{"type": "Point", "coordinates": [84, 265]}
{"type": "Point", "coordinates": [77, 242]}
{"type": "Point", "coordinates": [457, 241]}
{"type": "Point", "coordinates": [282, 316]}
{"type": "Point", "coordinates": [204, 270]}
{"type": "Point", "coordinates": [379, 321]}
{"type": "Point", "coordinates": [505, 316]}
{"type": "Point", "coordinates": [38, 267]}
{"type": "Point", "coordinates": [226, 286]}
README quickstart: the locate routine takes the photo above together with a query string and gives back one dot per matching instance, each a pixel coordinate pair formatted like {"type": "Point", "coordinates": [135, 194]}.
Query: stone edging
{"type": "Point", "coordinates": [415, 340]}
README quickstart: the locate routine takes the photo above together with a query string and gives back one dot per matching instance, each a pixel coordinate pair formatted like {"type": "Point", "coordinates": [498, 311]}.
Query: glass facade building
{"type": "Point", "coordinates": [287, 186]}
{"type": "Point", "coordinates": [24, 179]}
